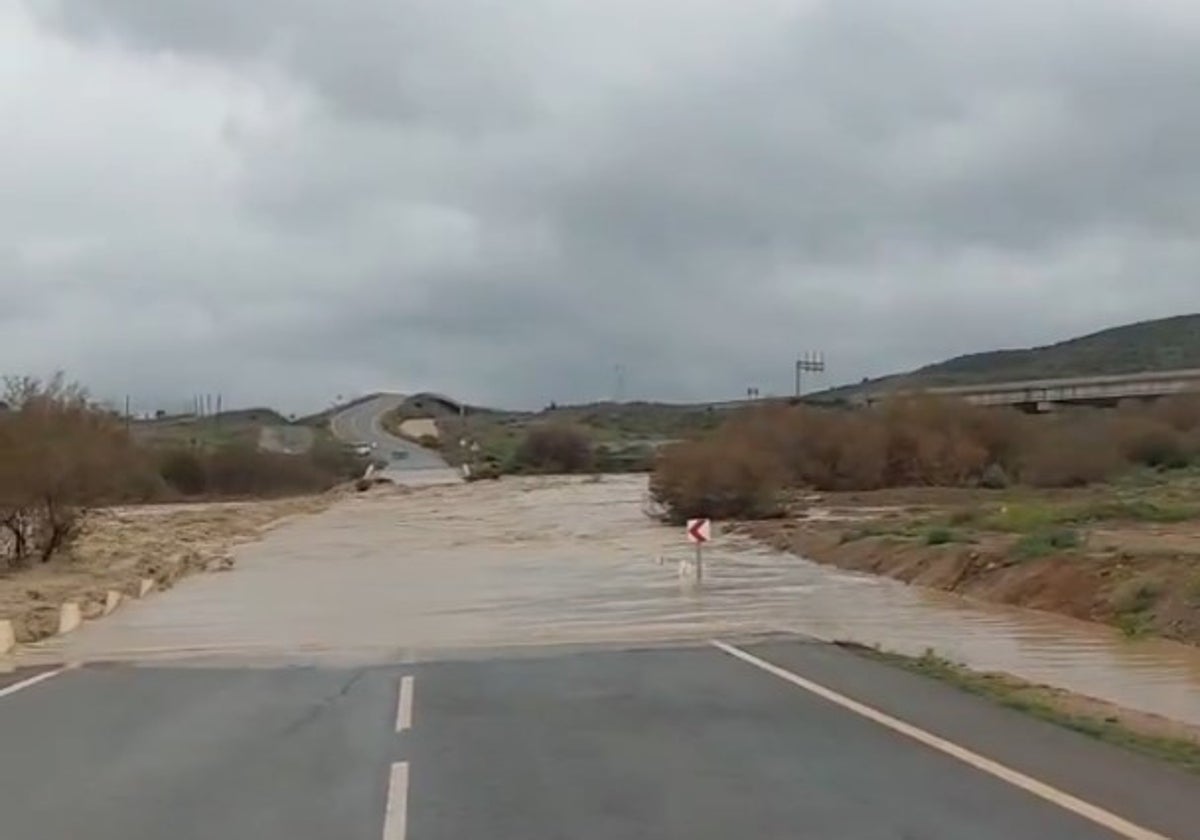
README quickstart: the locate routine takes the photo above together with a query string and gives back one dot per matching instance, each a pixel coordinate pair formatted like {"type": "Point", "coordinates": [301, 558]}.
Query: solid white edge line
{"type": "Point", "coordinates": [1064, 800]}
{"type": "Point", "coordinates": [405, 706]}
{"type": "Point", "coordinates": [32, 681]}
{"type": "Point", "coordinates": [395, 819]}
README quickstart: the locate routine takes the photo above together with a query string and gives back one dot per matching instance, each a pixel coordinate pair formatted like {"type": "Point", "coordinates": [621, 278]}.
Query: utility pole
{"type": "Point", "coordinates": [811, 363]}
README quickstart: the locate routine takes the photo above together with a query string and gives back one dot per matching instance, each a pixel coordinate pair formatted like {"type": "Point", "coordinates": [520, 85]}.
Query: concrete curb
{"type": "Point", "coordinates": [112, 600]}
{"type": "Point", "coordinates": [69, 617]}
{"type": "Point", "coordinates": [8, 637]}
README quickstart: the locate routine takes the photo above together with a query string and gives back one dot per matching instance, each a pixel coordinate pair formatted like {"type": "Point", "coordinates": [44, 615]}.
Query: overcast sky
{"type": "Point", "coordinates": [287, 200]}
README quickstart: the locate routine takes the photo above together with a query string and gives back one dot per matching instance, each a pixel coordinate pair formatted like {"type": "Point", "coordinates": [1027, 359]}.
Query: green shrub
{"type": "Point", "coordinates": [1136, 596]}
{"type": "Point", "coordinates": [994, 478]}
{"type": "Point", "coordinates": [941, 536]}
{"type": "Point", "coordinates": [1047, 541]}
{"type": "Point", "coordinates": [861, 533]}
{"type": "Point", "coordinates": [1136, 510]}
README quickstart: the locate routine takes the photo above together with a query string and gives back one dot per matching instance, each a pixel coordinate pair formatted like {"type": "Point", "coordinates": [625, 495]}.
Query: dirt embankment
{"type": "Point", "coordinates": [120, 547]}
{"type": "Point", "coordinates": [1140, 576]}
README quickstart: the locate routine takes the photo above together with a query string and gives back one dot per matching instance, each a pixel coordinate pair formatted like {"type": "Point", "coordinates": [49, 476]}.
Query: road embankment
{"type": "Point", "coordinates": [126, 552]}
{"type": "Point", "coordinates": [1135, 566]}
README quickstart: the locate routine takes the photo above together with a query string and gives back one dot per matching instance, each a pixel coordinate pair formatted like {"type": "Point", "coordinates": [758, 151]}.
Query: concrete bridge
{"type": "Point", "coordinates": [1044, 394]}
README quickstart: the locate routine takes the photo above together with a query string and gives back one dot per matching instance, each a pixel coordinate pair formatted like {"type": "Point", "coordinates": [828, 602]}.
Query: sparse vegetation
{"type": "Point", "coordinates": [946, 443]}
{"type": "Point", "coordinates": [943, 536]}
{"type": "Point", "coordinates": [1048, 704]}
{"type": "Point", "coordinates": [61, 454]}
{"type": "Point", "coordinates": [708, 478]}
{"type": "Point", "coordinates": [1133, 604]}
{"type": "Point", "coordinates": [1136, 596]}
{"type": "Point", "coordinates": [553, 448]}
{"type": "Point", "coordinates": [1046, 541]}
{"type": "Point", "coordinates": [862, 532]}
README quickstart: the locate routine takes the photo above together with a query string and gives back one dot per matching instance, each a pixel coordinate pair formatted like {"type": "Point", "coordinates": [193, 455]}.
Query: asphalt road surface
{"type": "Point", "coordinates": [361, 423]}
{"type": "Point", "coordinates": [689, 742]}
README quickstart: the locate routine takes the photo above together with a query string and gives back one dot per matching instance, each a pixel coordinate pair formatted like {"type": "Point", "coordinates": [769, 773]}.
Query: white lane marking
{"type": "Point", "coordinates": [395, 820]}
{"type": "Point", "coordinates": [1096, 814]}
{"type": "Point", "coordinates": [404, 709]}
{"type": "Point", "coordinates": [34, 680]}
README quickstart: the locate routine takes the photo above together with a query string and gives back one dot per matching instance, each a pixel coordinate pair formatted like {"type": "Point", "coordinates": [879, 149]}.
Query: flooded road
{"type": "Point", "coordinates": [419, 574]}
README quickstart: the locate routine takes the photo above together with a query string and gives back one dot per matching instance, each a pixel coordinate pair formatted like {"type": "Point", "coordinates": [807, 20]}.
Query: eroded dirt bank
{"type": "Point", "coordinates": [1108, 561]}
{"type": "Point", "coordinates": [120, 547]}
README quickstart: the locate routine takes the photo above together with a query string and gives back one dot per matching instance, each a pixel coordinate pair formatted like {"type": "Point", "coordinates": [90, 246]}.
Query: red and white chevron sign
{"type": "Point", "coordinates": [699, 531]}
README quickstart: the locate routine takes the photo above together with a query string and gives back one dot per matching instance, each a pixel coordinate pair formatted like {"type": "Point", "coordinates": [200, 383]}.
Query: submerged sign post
{"type": "Point", "coordinates": [699, 531]}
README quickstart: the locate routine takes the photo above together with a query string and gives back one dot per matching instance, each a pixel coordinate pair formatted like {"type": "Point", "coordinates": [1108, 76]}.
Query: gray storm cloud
{"type": "Point", "coordinates": [285, 201]}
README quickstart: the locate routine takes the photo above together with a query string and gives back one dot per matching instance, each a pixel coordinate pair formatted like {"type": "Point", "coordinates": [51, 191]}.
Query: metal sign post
{"type": "Point", "coordinates": [699, 531]}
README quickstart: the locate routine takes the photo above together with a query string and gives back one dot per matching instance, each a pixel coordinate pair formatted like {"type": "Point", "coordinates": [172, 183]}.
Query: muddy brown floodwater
{"type": "Point", "coordinates": [570, 561]}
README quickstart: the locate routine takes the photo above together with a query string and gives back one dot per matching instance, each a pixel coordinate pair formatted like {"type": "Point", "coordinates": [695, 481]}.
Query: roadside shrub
{"type": "Point", "coordinates": [994, 477]}
{"type": "Point", "coordinates": [1153, 444]}
{"type": "Point", "coordinates": [633, 459]}
{"type": "Point", "coordinates": [718, 479]}
{"type": "Point", "coordinates": [184, 471]}
{"type": "Point", "coordinates": [1136, 595]}
{"type": "Point", "coordinates": [336, 461]}
{"type": "Point", "coordinates": [941, 536]}
{"type": "Point", "coordinates": [1048, 541]}
{"type": "Point", "coordinates": [242, 470]}
{"type": "Point", "coordinates": [553, 448]}
{"type": "Point", "coordinates": [1071, 453]}
{"type": "Point", "coordinates": [1181, 413]}
{"type": "Point", "coordinates": [59, 455]}
{"type": "Point", "coordinates": [430, 441]}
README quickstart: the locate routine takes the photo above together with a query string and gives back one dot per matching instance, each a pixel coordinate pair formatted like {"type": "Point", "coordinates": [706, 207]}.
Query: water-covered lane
{"type": "Point", "coordinates": [538, 561]}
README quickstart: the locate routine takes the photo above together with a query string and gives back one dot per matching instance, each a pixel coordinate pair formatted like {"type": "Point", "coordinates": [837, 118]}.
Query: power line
{"type": "Point", "coordinates": [808, 363]}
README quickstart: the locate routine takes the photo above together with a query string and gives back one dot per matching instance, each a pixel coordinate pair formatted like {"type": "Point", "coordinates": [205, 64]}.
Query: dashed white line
{"type": "Point", "coordinates": [1096, 814]}
{"type": "Point", "coordinates": [32, 681]}
{"type": "Point", "coordinates": [404, 709]}
{"type": "Point", "coordinates": [395, 820]}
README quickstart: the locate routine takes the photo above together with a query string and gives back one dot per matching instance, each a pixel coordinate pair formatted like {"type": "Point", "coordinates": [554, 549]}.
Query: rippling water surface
{"type": "Point", "coordinates": [567, 561]}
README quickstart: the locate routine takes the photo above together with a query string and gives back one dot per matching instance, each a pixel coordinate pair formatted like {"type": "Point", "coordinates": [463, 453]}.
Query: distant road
{"type": "Point", "coordinates": [363, 423]}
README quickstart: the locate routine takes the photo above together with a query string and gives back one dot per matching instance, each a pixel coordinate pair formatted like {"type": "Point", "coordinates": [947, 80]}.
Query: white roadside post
{"type": "Point", "coordinates": [699, 531]}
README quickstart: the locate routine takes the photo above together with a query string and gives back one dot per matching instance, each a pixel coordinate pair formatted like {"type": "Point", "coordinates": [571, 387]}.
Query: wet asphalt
{"type": "Point", "coordinates": [684, 742]}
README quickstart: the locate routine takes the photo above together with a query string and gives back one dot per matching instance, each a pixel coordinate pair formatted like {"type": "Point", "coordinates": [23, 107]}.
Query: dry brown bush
{"type": "Point", "coordinates": [59, 454]}
{"type": "Point", "coordinates": [242, 470]}
{"type": "Point", "coordinates": [553, 448]}
{"type": "Point", "coordinates": [1150, 439]}
{"type": "Point", "coordinates": [1070, 454]}
{"type": "Point", "coordinates": [717, 478]}
{"type": "Point", "coordinates": [921, 441]}
{"type": "Point", "coordinates": [1181, 413]}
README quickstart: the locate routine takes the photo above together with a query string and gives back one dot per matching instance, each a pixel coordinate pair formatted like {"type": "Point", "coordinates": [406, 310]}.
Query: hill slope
{"type": "Point", "coordinates": [1162, 344]}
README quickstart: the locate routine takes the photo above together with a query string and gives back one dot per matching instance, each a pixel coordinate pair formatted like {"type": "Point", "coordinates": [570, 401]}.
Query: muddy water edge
{"type": "Point", "coordinates": [529, 562]}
